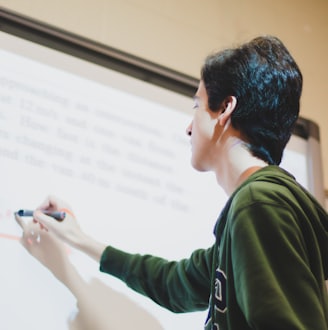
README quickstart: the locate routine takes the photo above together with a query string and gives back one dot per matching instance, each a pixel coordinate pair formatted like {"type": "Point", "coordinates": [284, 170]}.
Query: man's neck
{"type": "Point", "coordinates": [236, 165]}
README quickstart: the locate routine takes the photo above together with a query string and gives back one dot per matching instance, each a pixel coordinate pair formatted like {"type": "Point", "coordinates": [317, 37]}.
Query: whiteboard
{"type": "Point", "coordinates": [115, 148]}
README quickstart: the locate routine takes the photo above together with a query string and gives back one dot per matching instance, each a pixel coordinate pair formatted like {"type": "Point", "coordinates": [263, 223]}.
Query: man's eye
{"type": "Point", "coordinates": [196, 102]}
{"type": "Point", "coordinates": [196, 105]}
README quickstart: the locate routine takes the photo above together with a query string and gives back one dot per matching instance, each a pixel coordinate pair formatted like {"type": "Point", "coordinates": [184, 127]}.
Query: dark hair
{"type": "Point", "coordinates": [267, 84]}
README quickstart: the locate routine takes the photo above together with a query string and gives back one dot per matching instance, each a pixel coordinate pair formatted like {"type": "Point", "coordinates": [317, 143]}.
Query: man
{"type": "Point", "coordinates": [268, 266]}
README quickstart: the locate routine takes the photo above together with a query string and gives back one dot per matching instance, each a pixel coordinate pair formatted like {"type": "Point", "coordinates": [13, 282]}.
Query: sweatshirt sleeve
{"type": "Point", "coordinates": [274, 284]}
{"type": "Point", "coordinates": [180, 286]}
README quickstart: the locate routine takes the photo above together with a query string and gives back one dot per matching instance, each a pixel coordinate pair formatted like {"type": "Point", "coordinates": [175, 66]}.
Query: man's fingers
{"type": "Point", "coordinates": [44, 220]}
{"type": "Point", "coordinates": [20, 221]}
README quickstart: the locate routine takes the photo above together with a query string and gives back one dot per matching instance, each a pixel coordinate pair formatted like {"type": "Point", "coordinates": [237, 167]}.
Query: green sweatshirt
{"type": "Point", "coordinates": [266, 269]}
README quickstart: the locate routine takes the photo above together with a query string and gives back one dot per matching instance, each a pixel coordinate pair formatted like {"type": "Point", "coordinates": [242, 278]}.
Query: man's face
{"type": "Point", "coordinates": [203, 131]}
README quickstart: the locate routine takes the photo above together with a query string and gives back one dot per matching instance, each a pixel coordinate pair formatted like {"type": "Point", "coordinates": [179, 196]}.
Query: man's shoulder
{"type": "Point", "coordinates": [271, 185]}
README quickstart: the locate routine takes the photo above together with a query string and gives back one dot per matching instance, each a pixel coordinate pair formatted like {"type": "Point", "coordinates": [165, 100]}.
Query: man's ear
{"type": "Point", "coordinates": [228, 106]}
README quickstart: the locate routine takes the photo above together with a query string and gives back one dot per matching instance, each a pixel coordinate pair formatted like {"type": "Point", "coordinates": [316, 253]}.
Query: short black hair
{"type": "Point", "coordinates": [267, 83]}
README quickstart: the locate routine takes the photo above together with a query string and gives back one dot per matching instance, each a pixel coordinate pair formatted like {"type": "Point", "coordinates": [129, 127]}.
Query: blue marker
{"type": "Point", "coordinates": [59, 216]}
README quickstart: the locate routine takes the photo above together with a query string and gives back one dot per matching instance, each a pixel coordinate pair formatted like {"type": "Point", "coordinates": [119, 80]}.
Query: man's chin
{"type": "Point", "coordinates": [197, 166]}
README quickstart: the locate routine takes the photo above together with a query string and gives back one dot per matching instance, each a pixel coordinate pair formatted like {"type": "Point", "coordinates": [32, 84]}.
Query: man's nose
{"type": "Point", "coordinates": [189, 129]}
